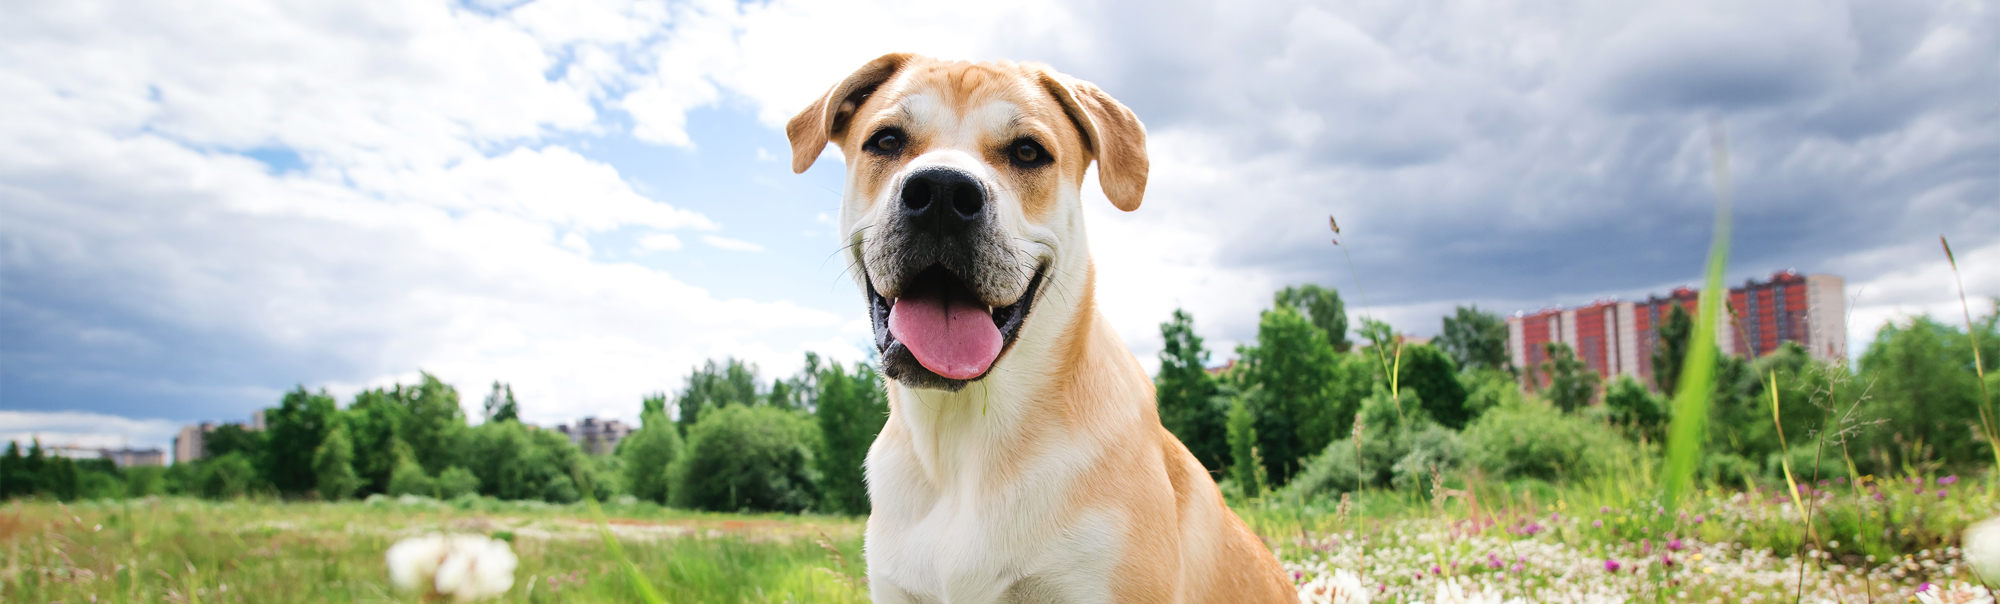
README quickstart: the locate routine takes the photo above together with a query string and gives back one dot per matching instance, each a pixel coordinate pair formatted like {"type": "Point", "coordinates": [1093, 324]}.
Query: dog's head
{"type": "Point", "coordinates": [962, 205]}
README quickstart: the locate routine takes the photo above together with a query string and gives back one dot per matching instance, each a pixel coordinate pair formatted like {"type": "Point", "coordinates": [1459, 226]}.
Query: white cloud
{"type": "Point", "coordinates": [659, 242]}
{"type": "Point", "coordinates": [86, 430]}
{"type": "Point", "coordinates": [734, 245]}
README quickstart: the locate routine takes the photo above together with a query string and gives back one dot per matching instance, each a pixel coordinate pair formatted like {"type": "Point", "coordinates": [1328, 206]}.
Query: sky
{"type": "Point", "coordinates": [206, 204]}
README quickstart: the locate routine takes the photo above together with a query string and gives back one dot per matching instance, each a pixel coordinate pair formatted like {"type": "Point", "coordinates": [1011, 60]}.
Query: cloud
{"type": "Point", "coordinates": [206, 205]}
{"type": "Point", "coordinates": [660, 242]}
{"type": "Point", "coordinates": [86, 430]}
{"type": "Point", "coordinates": [734, 245]}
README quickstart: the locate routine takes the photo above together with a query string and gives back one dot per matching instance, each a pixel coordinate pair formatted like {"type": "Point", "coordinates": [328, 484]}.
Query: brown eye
{"type": "Point", "coordinates": [1026, 153]}
{"type": "Point", "coordinates": [886, 142]}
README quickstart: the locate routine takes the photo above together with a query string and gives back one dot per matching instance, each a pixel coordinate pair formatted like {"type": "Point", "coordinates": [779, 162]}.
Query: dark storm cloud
{"type": "Point", "coordinates": [1551, 152]}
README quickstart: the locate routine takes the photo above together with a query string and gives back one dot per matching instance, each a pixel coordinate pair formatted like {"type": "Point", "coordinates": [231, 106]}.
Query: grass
{"type": "Point", "coordinates": [1528, 538]}
{"type": "Point", "coordinates": [186, 550]}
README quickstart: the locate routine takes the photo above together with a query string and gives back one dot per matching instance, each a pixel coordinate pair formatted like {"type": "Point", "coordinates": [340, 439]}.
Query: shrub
{"type": "Point", "coordinates": [741, 457]}
{"type": "Point", "coordinates": [230, 475]}
{"type": "Point", "coordinates": [1396, 449]}
{"type": "Point", "coordinates": [1534, 440]}
{"type": "Point", "coordinates": [409, 479]}
{"type": "Point", "coordinates": [456, 481]}
{"type": "Point", "coordinates": [515, 462]}
{"type": "Point", "coordinates": [1640, 413]}
{"type": "Point", "coordinates": [648, 453]}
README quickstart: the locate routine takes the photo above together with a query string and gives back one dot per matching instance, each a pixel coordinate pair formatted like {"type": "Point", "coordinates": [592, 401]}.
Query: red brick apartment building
{"type": "Point", "coordinates": [1618, 338]}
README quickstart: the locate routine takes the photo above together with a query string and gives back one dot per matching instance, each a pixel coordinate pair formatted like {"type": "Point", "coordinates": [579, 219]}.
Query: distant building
{"type": "Point", "coordinates": [596, 437]}
{"type": "Point", "coordinates": [191, 443]}
{"type": "Point", "coordinates": [1618, 338]}
{"type": "Point", "coordinates": [132, 458]}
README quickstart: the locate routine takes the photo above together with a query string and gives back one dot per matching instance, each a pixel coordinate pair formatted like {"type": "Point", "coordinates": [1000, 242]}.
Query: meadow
{"type": "Point", "coordinates": [1877, 541]}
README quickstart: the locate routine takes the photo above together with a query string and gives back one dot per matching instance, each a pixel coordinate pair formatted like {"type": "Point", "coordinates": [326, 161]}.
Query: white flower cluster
{"type": "Point", "coordinates": [1450, 592]}
{"type": "Point", "coordinates": [461, 567]}
{"type": "Point", "coordinates": [1339, 587]}
{"type": "Point", "coordinates": [1960, 592]}
{"type": "Point", "coordinates": [1982, 548]}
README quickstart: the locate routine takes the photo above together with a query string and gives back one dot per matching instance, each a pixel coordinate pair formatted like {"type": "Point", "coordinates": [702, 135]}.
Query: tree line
{"type": "Point", "coordinates": [1304, 408]}
{"type": "Point", "coordinates": [1308, 410]}
{"type": "Point", "coordinates": [732, 442]}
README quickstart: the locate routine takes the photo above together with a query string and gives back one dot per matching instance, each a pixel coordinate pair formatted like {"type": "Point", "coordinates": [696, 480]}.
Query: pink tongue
{"type": "Point", "coordinates": [954, 339]}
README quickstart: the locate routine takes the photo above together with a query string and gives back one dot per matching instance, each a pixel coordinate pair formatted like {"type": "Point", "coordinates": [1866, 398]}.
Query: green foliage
{"type": "Point", "coordinates": [1431, 374]}
{"type": "Point", "coordinates": [1247, 469]}
{"type": "Point", "coordinates": [374, 419]}
{"type": "Point", "coordinates": [1477, 340]}
{"type": "Point", "coordinates": [1667, 359]}
{"type": "Point", "coordinates": [749, 458]}
{"type": "Point", "coordinates": [1571, 384]}
{"type": "Point", "coordinates": [1628, 405]}
{"type": "Point", "coordinates": [433, 422]}
{"type": "Point", "coordinates": [409, 478]}
{"type": "Point", "coordinates": [1187, 395]}
{"type": "Point", "coordinates": [231, 475]}
{"type": "Point", "coordinates": [1925, 390]}
{"type": "Point", "coordinates": [513, 461]}
{"type": "Point", "coordinates": [234, 438]}
{"type": "Point", "coordinates": [1399, 449]}
{"type": "Point", "coordinates": [650, 451]}
{"type": "Point", "coordinates": [500, 404]}
{"type": "Point", "coordinates": [457, 482]}
{"type": "Point", "coordinates": [296, 427]}
{"type": "Point", "coordinates": [716, 386]}
{"type": "Point", "coordinates": [1488, 389]}
{"type": "Point", "coordinates": [1321, 306]}
{"type": "Point", "coordinates": [333, 465]}
{"type": "Point", "coordinates": [1535, 440]}
{"type": "Point", "coordinates": [851, 409]}
{"type": "Point", "coordinates": [1294, 371]}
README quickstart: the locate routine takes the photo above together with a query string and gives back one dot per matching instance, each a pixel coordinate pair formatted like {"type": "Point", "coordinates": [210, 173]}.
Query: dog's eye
{"type": "Point", "coordinates": [1027, 153]}
{"type": "Point", "coordinates": [887, 141]}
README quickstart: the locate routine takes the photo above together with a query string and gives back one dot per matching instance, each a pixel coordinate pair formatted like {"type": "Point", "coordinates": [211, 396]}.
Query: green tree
{"type": "Point", "coordinates": [650, 451]}
{"type": "Point", "coordinates": [1294, 370]}
{"type": "Point", "coordinates": [1247, 470]}
{"type": "Point", "coordinates": [1926, 391]}
{"type": "Point", "coordinates": [745, 458]}
{"type": "Point", "coordinates": [500, 404]}
{"type": "Point", "coordinates": [715, 386]}
{"type": "Point", "coordinates": [1667, 359]}
{"type": "Point", "coordinates": [1571, 383]}
{"type": "Point", "coordinates": [1188, 405]}
{"type": "Point", "coordinates": [1628, 405]}
{"type": "Point", "coordinates": [374, 421]}
{"type": "Point", "coordinates": [457, 482]}
{"type": "Point", "coordinates": [513, 461]}
{"type": "Point", "coordinates": [231, 475]}
{"type": "Point", "coordinates": [1430, 373]}
{"type": "Point", "coordinates": [851, 408]}
{"type": "Point", "coordinates": [1476, 340]}
{"type": "Point", "coordinates": [333, 465]}
{"type": "Point", "coordinates": [234, 438]}
{"type": "Point", "coordinates": [433, 422]}
{"type": "Point", "coordinates": [296, 428]}
{"type": "Point", "coordinates": [1321, 306]}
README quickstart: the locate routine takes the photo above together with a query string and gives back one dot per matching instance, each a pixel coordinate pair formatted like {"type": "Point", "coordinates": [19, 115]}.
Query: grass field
{"type": "Point", "coordinates": [1532, 542]}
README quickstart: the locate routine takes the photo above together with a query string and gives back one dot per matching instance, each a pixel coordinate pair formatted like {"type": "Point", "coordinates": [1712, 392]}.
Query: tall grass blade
{"type": "Point", "coordinates": [639, 583]}
{"type": "Point", "coordinates": [1978, 364]}
{"type": "Point", "coordinates": [1696, 387]}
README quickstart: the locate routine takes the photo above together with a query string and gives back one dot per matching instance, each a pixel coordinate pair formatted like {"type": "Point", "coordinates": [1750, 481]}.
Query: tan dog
{"type": "Point", "coordinates": [1023, 460]}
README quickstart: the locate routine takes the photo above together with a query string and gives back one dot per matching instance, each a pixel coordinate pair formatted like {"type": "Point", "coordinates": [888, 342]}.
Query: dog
{"type": "Point", "coordinates": [1023, 459]}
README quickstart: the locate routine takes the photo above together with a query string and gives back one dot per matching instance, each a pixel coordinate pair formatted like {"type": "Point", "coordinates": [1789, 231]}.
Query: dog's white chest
{"type": "Point", "coordinates": [1019, 544]}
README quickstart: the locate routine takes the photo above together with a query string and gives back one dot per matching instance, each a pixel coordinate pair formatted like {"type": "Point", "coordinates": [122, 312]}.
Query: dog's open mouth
{"type": "Point", "coordinates": [938, 334]}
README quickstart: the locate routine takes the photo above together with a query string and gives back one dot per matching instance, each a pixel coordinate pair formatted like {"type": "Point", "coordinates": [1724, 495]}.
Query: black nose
{"type": "Point", "coordinates": [948, 197]}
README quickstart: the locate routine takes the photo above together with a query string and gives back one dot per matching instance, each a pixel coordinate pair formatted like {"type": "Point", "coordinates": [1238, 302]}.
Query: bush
{"type": "Point", "coordinates": [1534, 440]}
{"type": "Point", "coordinates": [514, 462]}
{"type": "Point", "coordinates": [456, 481]}
{"type": "Point", "coordinates": [1390, 452]}
{"type": "Point", "coordinates": [409, 479]}
{"type": "Point", "coordinates": [1627, 404]}
{"type": "Point", "coordinates": [227, 476]}
{"type": "Point", "coordinates": [648, 453]}
{"type": "Point", "coordinates": [741, 457]}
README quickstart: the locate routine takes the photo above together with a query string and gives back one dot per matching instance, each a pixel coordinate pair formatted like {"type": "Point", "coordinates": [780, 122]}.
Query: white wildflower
{"type": "Point", "coordinates": [1960, 592]}
{"type": "Point", "coordinates": [1450, 592]}
{"type": "Point", "coordinates": [1982, 549]}
{"type": "Point", "coordinates": [1341, 587]}
{"type": "Point", "coordinates": [461, 567]}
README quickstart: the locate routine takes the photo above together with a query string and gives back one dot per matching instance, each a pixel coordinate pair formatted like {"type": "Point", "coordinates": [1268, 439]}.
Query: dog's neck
{"type": "Point", "coordinates": [1080, 384]}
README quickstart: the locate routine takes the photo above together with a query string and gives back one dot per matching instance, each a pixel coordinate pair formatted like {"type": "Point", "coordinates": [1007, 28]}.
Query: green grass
{"type": "Point", "coordinates": [186, 550]}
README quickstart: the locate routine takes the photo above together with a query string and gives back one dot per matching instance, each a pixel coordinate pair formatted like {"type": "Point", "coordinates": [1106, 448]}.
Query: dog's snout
{"type": "Point", "coordinates": [951, 198]}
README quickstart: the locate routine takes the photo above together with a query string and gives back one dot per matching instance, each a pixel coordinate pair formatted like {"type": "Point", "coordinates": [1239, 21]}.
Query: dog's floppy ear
{"type": "Point", "coordinates": [827, 117]}
{"type": "Point", "coordinates": [1111, 132]}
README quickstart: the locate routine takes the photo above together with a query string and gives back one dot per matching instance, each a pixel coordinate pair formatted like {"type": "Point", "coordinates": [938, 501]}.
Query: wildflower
{"type": "Point", "coordinates": [1982, 547]}
{"type": "Point", "coordinates": [1675, 545]}
{"type": "Point", "coordinates": [1700, 518]}
{"type": "Point", "coordinates": [1612, 566]}
{"type": "Point", "coordinates": [1948, 479]}
{"type": "Point", "coordinates": [1941, 493]}
{"type": "Point", "coordinates": [461, 567]}
{"type": "Point", "coordinates": [1341, 587]}
{"type": "Point", "coordinates": [1597, 524]}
